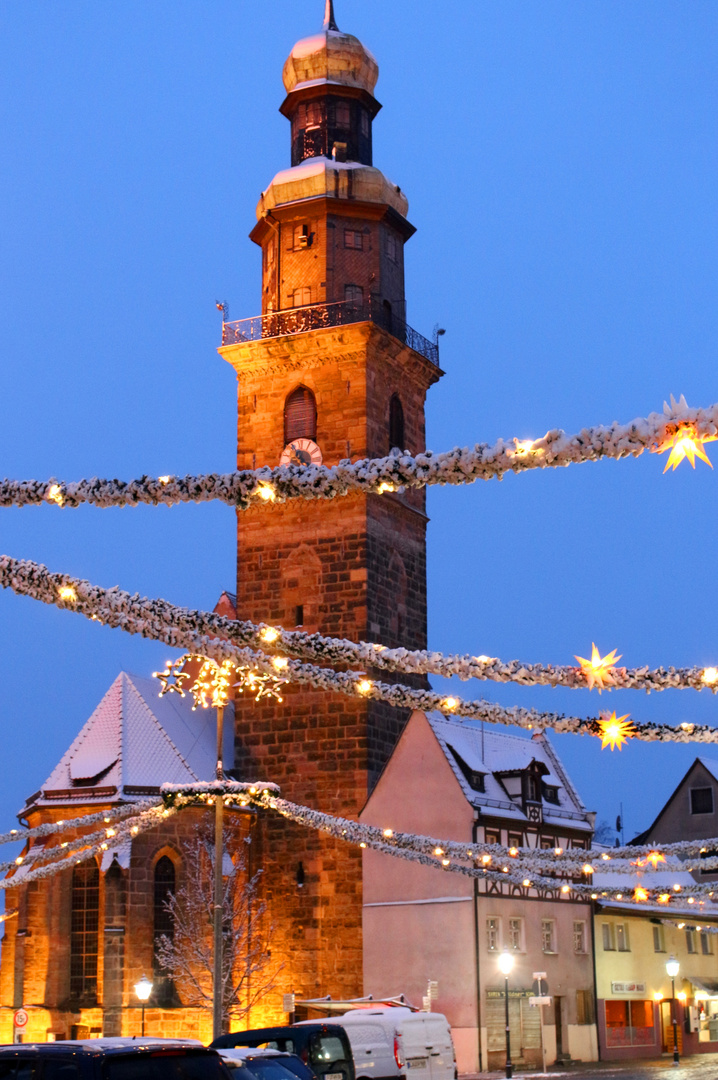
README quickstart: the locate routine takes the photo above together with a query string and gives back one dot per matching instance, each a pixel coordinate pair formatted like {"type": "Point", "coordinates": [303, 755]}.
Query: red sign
{"type": "Point", "coordinates": [20, 1018]}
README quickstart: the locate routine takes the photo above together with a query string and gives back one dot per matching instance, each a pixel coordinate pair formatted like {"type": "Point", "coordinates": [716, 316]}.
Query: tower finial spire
{"type": "Point", "coordinates": [330, 23]}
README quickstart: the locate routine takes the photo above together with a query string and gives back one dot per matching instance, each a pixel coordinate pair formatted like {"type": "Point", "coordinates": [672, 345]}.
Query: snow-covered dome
{"type": "Point", "coordinates": [320, 176]}
{"type": "Point", "coordinates": [330, 57]}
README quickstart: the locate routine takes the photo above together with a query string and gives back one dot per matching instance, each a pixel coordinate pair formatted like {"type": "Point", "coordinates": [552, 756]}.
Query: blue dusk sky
{"type": "Point", "coordinates": [561, 166]}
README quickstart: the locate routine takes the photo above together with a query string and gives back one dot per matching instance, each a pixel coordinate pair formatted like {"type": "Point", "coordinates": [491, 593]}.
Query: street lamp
{"type": "Point", "coordinates": [672, 967]}
{"type": "Point", "coordinates": [506, 963]}
{"type": "Point", "coordinates": [143, 989]}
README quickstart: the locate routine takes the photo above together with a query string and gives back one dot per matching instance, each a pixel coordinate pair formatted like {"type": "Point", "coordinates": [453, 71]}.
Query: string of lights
{"type": "Point", "coordinates": [158, 619]}
{"type": "Point", "coordinates": [115, 813]}
{"type": "Point", "coordinates": [680, 429]}
{"type": "Point", "coordinates": [138, 616]}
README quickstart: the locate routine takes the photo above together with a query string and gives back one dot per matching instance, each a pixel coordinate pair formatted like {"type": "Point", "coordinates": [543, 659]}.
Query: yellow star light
{"type": "Point", "coordinates": [172, 677]}
{"type": "Point", "coordinates": [654, 857]}
{"type": "Point", "coordinates": [683, 441]}
{"type": "Point", "coordinates": [640, 894]}
{"type": "Point", "coordinates": [599, 670]}
{"type": "Point", "coordinates": [613, 731]}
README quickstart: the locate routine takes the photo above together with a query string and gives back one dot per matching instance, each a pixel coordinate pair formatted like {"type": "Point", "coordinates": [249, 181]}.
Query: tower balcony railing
{"type": "Point", "coordinates": [300, 320]}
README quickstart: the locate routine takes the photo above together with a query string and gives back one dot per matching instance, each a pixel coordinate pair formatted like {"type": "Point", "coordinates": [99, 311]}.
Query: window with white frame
{"type": "Point", "coordinates": [516, 935]}
{"type": "Point", "coordinates": [622, 942]}
{"type": "Point", "coordinates": [659, 939]}
{"type": "Point", "coordinates": [691, 944]}
{"type": "Point", "coordinates": [706, 944]}
{"type": "Point", "coordinates": [579, 936]}
{"type": "Point", "coordinates": [493, 933]}
{"type": "Point", "coordinates": [548, 935]}
{"type": "Point", "coordinates": [609, 937]}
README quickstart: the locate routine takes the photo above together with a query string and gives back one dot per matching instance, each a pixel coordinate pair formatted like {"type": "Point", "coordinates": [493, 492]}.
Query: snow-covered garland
{"type": "Point", "coordinates": [138, 616]}
{"type": "Point", "coordinates": [486, 861]}
{"type": "Point", "coordinates": [458, 466]}
{"type": "Point", "coordinates": [128, 830]}
{"type": "Point", "coordinates": [516, 866]}
{"type": "Point", "coordinates": [106, 837]}
{"type": "Point", "coordinates": [116, 813]}
{"type": "Point", "coordinates": [161, 620]}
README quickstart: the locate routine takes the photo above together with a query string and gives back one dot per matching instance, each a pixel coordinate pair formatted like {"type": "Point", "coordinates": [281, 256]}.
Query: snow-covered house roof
{"type": "Point", "coordinates": [493, 755]}
{"type": "Point", "coordinates": [135, 741]}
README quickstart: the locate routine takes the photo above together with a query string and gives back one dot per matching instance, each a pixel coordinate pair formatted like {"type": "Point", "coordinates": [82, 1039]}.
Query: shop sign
{"type": "Point", "coordinates": [493, 993]}
{"type": "Point", "coordinates": [628, 988]}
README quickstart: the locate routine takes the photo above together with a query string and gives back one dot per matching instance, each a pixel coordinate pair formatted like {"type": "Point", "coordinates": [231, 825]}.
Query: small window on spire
{"type": "Point", "coordinates": [396, 423]}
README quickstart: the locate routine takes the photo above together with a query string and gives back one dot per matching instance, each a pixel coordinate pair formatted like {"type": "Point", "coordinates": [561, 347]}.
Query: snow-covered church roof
{"type": "Point", "coordinates": [492, 755]}
{"type": "Point", "coordinates": [135, 741]}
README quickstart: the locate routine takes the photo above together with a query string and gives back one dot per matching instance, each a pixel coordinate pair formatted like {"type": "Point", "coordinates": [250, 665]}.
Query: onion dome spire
{"type": "Point", "coordinates": [330, 23]}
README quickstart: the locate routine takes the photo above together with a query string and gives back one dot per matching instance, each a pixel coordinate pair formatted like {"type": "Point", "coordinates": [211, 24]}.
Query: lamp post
{"type": "Point", "coordinates": [143, 989]}
{"type": "Point", "coordinates": [672, 967]}
{"type": "Point", "coordinates": [506, 963]}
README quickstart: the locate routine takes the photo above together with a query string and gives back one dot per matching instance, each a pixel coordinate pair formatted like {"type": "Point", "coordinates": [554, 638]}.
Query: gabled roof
{"type": "Point", "coordinates": [135, 740]}
{"type": "Point", "coordinates": [711, 766]}
{"type": "Point", "coordinates": [496, 753]}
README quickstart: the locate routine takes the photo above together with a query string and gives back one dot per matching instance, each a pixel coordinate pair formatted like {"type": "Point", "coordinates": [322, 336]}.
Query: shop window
{"type": "Point", "coordinates": [579, 937]}
{"type": "Point", "coordinates": [396, 423]}
{"type": "Point", "coordinates": [84, 931]}
{"type": "Point", "coordinates": [300, 415]}
{"type": "Point", "coordinates": [706, 944]}
{"type": "Point", "coordinates": [516, 940]}
{"type": "Point", "coordinates": [493, 934]}
{"type": "Point", "coordinates": [659, 939]}
{"type": "Point", "coordinates": [548, 936]}
{"type": "Point", "coordinates": [629, 1023]}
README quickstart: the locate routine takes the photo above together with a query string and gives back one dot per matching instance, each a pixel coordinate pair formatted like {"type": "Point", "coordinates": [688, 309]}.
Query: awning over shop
{"type": "Point", "coordinates": [709, 986]}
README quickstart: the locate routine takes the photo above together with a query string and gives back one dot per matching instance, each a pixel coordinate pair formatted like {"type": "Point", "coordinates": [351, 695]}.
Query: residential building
{"type": "Point", "coordinates": [460, 781]}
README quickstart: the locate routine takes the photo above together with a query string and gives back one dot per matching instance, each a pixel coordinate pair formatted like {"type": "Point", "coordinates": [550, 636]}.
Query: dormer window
{"type": "Point", "coordinates": [550, 794]}
{"type": "Point", "coordinates": [474, 778]}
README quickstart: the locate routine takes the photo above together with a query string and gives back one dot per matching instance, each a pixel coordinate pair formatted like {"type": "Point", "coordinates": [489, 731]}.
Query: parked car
{"type": "Point", "coordinates": [112, 1059]}
{"type": "Point", "coordinates": [256, 1063]}
{"type": "Point", "coordinates": [324, 1047]}
{"type": "Point", "coordinates": [393, 1041]}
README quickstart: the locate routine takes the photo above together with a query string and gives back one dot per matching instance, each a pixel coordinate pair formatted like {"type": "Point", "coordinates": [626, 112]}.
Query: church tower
{"type": "Point", "coordinates": [330, 370]}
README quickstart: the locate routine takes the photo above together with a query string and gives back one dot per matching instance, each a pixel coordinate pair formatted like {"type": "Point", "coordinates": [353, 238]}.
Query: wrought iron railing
{"type": "Point", "coordinates": [316, 316]}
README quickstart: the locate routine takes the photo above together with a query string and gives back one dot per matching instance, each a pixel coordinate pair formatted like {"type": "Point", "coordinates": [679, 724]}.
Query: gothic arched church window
{"type": "Point", "coordinates": [163, 926]}
{"type": "Point", "coordinates": [84, 931]}
{"type": "Point", "coordinates": [396, 423]}
{"type": "Point", "coordinates": [300, 415]}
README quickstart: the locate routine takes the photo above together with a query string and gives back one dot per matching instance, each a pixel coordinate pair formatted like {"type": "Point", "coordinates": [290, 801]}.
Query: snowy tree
{"type": "Point", "coordinates": [186, 955]}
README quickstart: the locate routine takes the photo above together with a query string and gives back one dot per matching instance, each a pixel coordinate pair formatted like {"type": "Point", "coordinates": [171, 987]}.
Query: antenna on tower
{"type": "Point", "coordinates": [330, 23]}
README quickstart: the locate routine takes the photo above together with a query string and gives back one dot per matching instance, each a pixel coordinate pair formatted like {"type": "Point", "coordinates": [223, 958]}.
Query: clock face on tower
{"type": "Point", "coordinates": [301, 452]}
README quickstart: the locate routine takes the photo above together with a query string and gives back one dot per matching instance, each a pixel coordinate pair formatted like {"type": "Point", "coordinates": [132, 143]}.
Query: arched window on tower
{"type": "Point", "coordinates": [84, 932]}
{"type": "Point", "coordinates": [300, 415]}
{"type": "Point", "coordinates": [396, 423]}
{"type": "Point", "coordinates": [164, 993]}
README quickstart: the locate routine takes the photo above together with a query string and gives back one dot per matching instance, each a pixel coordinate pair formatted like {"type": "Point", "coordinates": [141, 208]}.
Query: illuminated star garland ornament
{"type": "Point", "coordinates": [214, 681]}
{"type": "Point", "coordinates": [614, 731]}
{"type": "Point", "coordinates": [682, 438]}
{"type": "Point", "coordinates": [599, 670]}
{"type": "Point", "coordinates": [183, 628]}
{"type": "Point", "coordinates": [458, 466]}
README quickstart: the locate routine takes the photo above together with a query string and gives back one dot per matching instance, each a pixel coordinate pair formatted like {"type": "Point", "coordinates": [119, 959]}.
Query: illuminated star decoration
{"type": "Point", "coordinates": [682, 439]}
{"type": "Point", "coordinates": [640, 894]}
{"type": "Point", "coordinates": [172, 678]}
{"type": "Point", "coordinates": [214, 681]}
{"type": "Point", "coordinates": [599, 670]}
{"type": "Point", "coordinates": [614, 731]}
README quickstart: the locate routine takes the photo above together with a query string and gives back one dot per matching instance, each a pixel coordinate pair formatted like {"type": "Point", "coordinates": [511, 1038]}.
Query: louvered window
{"type": "Point", "coordinates": [300, 415]}
{"type": "Point", "coordinates": [84, 931]}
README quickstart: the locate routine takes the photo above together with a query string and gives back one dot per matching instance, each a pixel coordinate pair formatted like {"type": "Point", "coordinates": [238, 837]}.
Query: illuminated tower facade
{"type": "Point", "coordinates": [329, 371]}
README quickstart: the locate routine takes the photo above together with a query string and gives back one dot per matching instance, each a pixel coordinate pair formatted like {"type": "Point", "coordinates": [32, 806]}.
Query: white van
{"type": "Point", "coordinates": [389, 1042]}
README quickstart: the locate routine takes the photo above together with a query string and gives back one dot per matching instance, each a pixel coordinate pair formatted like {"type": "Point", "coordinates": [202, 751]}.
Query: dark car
{"type": "Point", "coordinates": [325, 1048]}
{"type": "Point", "coordinates": [253, 1063]}
{"type": "Point", "coordinates": [111, 1059]}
